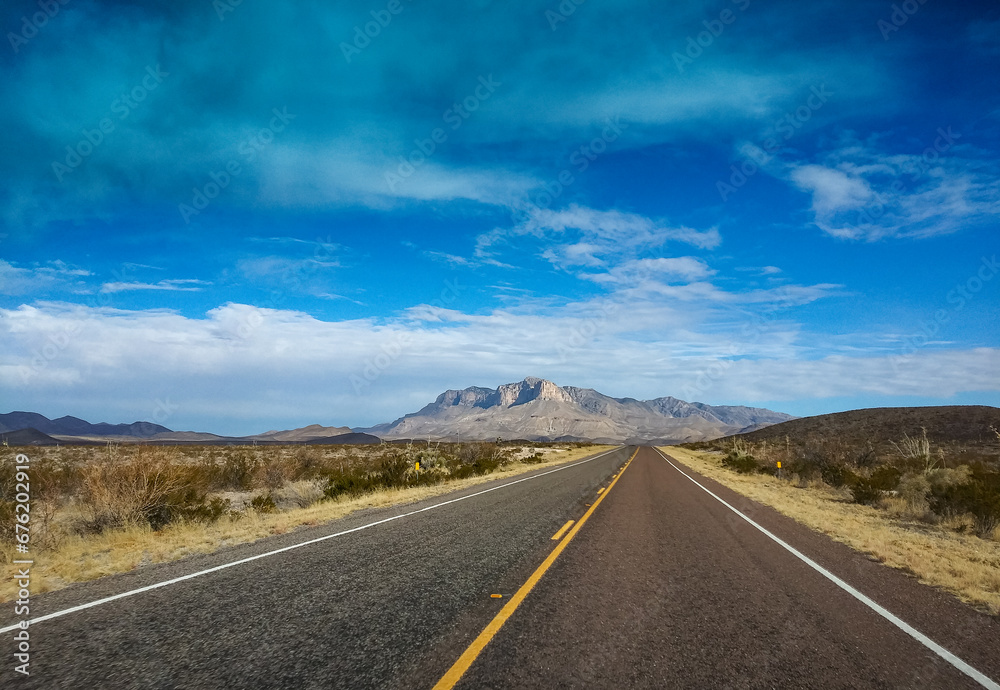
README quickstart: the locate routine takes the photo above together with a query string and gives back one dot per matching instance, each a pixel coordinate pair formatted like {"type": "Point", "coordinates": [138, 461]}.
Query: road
{"type": "Point", "coordinates": [657, 584]}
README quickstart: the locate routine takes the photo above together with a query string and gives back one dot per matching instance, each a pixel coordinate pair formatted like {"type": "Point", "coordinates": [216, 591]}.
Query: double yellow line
{"type": "Point", "coordinates": [459, 668]}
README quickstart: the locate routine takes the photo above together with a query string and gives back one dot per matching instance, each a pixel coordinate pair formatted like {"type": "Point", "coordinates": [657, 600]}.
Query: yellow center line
{"type": "Point", "coordinates": [562, 530]}
{"type": "Point", "coordinates": [459, 668]}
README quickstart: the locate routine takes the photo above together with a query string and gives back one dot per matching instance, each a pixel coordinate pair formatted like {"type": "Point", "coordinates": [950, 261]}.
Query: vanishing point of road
{"type": "Point", "coordinates": [622, 570]}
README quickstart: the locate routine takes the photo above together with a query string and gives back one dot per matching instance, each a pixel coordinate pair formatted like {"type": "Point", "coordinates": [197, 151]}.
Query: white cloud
{"type": "Point", "coordinates": [685, 269]}
{"type": "Point", "coordinates": [614, 227]}
{"type": "Point", "coordinates": [579, 237]}
{"type": "Point", "coordinates": [289, 273]}
{"type": "Point", "coordinates": [832, 190]}
{"type": "Point", "coordinates": [56, 275]}
{"type": "Point", "coordinates": [173, 285]}
{"type": "Point", "coordinates": [861, 192]}
{"type": "Point", "coordinates": [447, 258]}
{"type": "Point", "coordinates": [122, 362]}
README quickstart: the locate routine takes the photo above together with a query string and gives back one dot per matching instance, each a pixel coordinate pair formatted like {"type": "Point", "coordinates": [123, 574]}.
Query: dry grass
{"type": "Point", "coordinates": [962, 564]}
{"type": "Point", "coordinates": [80, 558]}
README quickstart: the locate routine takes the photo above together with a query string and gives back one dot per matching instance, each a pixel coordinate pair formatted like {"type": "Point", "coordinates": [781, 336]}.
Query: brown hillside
{"type": "Point", "coordinates": [962, 432]}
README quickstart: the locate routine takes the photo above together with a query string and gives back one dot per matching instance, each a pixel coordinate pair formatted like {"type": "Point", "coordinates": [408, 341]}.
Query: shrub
{"type": "Point", "coordinates": [239, 468]}
{"type": "Point", "coordinates": [838, 476]}
{"type": "Point", "coordinates": [865, 455]}
{"type": "Point", "coordinates": [350, 481]}
{"type": "Point", "coordinates": [205, 511]}
{"type": "Point", "coordinates": [393, 472]}
{"type": "Point", "coordinates": [263, 503]}
{"type": "Point", "coordinates": [979, 496]}
{"type": "Point", "coordinates": [119, 490]}
{"type": "Point", "coordinates": [477, 458]}
{"type": "Point", "coordinates": [187, 505]}
{"type": "Point", "coordinates": [532, 459]}
{"type": "Point", "coordinates": [917, 450]}
{"type": "Point", "coordinates": [868, 490]}
{"type": "Point", "coordinates": [740, 462]}
{"type": "Point", "coordinates": [914, 488]}
{"type": "Point", "coordinates": [808, 468]}
{"type": "Point", "coordinates": [307, 459]}
{"type": "Point", "coordinates": [944, 497]}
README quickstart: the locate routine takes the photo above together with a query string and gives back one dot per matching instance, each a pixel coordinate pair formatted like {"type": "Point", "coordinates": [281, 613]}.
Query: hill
{"type": "Point", "coordinates": [303, 434]}
{"type": "Point", "coordinates": [352, 438]}
{"type": "Point", "coordinates": [27, 437]}
{"type": "Point", "coordinates": [960, 431]}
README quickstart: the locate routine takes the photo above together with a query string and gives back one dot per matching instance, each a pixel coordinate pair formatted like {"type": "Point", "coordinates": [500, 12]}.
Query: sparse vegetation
{"type": "Point", "coordinates": [949, 482]}
{"type": "Point", "coordinates": [102, 509]}
{"type": "Point", "coordinates": [741, 459]}
{"type": "Point", "coordinates": [919, 484]}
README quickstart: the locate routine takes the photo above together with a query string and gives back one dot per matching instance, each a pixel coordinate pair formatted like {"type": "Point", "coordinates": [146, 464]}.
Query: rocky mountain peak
{"type": "Point", "coordinates": [538, 409]}
{"type": "Point", "coordinates": [530, 389]}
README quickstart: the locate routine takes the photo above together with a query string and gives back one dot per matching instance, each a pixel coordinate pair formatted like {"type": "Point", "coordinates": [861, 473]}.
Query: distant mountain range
{"type": "Point", "coordinates": [533, 409]}
{"type": "Point", "coordinates": [73, 426]}
{"type": "Point", "coordinates": [30, 428]}
{"type": "Point", "coordinates": [538, 410]}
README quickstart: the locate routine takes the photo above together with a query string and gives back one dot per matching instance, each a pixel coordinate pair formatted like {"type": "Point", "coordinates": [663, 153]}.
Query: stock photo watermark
{"type": "Point", "coordinates": [584, 333]}
{"type": "Point", "coordinates": [900, 14]}
{"type": "Point", "coordinates": [162, 411]}
{"type": "Point", "coordinates": [365, 33]}
{"type": "Point", "coordinates": [22, 562]}
{"type": "Point", "coordinates": [389, 353]}
{"type": "Point", "coordinates": [454, 117]}
{"type": "Point", "coordinates": [293, 278]}
{"type": "Point", "coordinates": [957, 297]}
{"type": "Point", "coordinates": [122, 107]}
{"type": "Point", "coordinates": [563, 11]}
{"type": "Point", "coordinates": [696, 45]}
{"type": "Point", "coordinates": [32, 24]}
{"type": "Point", "coordinates": [249, 150]}
{"type": "Point", "coordinates": [881, 203]}
{"type": "Point", "coordinates": [750, 333]}
{"type": "Point", "coordinates": [56, 343]}
{"type": "Point", "coordinates": [580, 159]}
{"type": "Point", "coordinates": [787, 126]}
{"type": "Point", "coordinates": [224, 7]}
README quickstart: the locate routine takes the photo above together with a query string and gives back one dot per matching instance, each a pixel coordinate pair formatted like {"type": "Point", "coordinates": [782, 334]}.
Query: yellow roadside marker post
{"type": "Point", "coordinates": [779, 469]}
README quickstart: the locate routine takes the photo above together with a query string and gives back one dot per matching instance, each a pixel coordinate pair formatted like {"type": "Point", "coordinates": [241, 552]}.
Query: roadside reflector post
{"type": "Point", "coordinates": [779, 468]}
{"type": "Point", "coordinates": [416, 465]}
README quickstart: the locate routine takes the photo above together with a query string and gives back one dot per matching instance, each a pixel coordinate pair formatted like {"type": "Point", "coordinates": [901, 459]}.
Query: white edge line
{"type": "Point", "coordinates": [175, 580]}
{"type": "Point", "coordinates": [962, 666]}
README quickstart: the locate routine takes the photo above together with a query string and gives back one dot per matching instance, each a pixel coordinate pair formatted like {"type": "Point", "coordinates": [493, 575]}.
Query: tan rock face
{"type": "Point", "coordinates": [530, 389]}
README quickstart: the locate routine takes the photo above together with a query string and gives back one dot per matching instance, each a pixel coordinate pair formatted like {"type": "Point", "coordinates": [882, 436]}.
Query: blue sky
{"type": "Point", "coordinates": [236, 216]}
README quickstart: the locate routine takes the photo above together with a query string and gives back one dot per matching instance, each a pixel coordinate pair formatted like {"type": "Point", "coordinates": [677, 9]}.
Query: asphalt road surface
{"type": "Point", "coordinates": [657, 584]}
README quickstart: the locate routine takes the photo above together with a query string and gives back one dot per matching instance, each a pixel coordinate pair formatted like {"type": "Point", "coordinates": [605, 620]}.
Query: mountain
{"type": "Point", "coordinates": [73, 426]}
{"type": "Point", "coordinates": [350, 437]}
{"type": "Point", "coordinates": [31, 428]}
{"type": "Point", "coordinates": [536, 409]}
{"type": "Point", "coordinates": [27, 437]}
{"type": "Point", "coordinates": [306, 433]}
